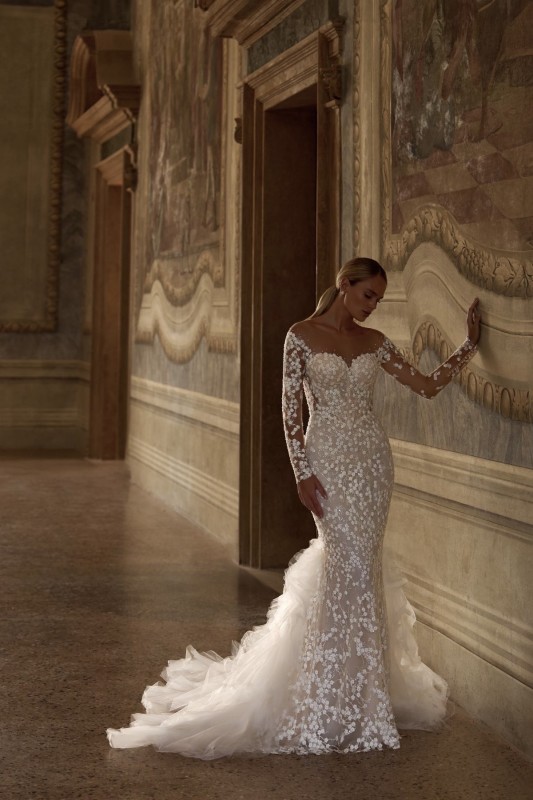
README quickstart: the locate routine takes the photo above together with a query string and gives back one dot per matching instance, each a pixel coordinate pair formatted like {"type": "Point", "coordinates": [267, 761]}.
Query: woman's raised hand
{"type": "Point", "coordinates": [309, 491]}
{"type": "Point", "coordinates": [473, 322]}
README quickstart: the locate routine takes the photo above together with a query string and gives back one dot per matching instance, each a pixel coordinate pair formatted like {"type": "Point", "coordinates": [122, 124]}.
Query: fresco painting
{"type": "Point", "coordinates": [462, 116]}
{"type": "Point", "coordinates": [185, 80]}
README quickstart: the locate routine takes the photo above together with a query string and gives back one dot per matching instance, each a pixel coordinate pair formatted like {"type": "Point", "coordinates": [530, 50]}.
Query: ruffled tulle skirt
{"type": "Point", "coordinates": [210, 706]}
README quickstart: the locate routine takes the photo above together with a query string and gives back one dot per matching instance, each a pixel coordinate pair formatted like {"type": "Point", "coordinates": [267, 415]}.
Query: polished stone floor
{"type": "Point", "coordinates": [101, 584]}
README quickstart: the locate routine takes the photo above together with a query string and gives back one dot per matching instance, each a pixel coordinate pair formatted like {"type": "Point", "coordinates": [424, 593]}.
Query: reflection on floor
{"type": "Point", "coordinates": [101, 585]}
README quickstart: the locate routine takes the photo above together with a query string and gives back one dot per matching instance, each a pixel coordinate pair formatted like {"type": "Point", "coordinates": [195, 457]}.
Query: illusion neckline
{"type": "Point", "coordinates": [348, 365]}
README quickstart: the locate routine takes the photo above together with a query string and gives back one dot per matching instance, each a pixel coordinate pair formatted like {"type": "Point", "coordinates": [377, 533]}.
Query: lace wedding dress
{"type": "Point", "coordinates": [336, 666]}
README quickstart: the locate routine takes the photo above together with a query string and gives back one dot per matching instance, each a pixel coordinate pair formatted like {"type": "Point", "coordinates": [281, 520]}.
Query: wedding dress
{"type": "Point", "coordinates": [336, 666]}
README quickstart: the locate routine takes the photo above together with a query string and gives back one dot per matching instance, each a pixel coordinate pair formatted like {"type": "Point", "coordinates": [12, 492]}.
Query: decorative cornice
{"type": "Point", "coordinates": [248, 20]}
{"type": "Point", "coordinates": [49, 323]}
{"type": "Point", "coordinates": [104, 96]}
{"type": "Point", "coordinates": [103, 120]}
{"type": "Point", "coordinates": [509, 401]}
{"type": "Point", "coordinates": [508, 274]}
{"type": "Point", "coordinates": [297, 67]}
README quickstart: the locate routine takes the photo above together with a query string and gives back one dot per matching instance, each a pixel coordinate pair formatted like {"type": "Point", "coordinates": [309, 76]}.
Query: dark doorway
{"type": "Point", "coordinates": [111, 287]}
{"type": "Point", "coordinates": [290, 254]}
{"type": "Point", "coordinates": [283, 292]}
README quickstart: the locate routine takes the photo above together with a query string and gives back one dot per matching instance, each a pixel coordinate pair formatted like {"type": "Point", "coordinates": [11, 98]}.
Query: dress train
{"type": "Point", "coordinates": [211, 707]}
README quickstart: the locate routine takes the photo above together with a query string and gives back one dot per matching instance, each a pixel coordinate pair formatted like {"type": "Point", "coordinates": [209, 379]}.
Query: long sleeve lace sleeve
{"type": "Point", "coordinates": [294, 356]}
{"type": "Point", "coordinates": [425, 385]}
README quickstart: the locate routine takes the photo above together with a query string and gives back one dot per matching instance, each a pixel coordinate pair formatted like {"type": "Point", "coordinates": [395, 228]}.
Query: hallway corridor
{"type": "Point", "coordinates": [101, 584]}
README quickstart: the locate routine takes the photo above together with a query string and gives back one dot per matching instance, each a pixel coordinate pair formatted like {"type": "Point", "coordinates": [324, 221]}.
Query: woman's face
{"type": "Point", "coordinates": [361, 298]}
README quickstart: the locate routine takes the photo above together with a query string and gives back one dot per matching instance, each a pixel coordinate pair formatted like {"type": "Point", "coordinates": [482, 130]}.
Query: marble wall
{"type": "Point", "coordinates": [184, 420]}
{"type": "Point", "coordinates": [439, 158]}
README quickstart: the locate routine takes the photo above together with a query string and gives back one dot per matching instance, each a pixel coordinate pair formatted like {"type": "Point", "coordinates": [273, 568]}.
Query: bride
{"type": "Point", "coordinates": [335, 667]}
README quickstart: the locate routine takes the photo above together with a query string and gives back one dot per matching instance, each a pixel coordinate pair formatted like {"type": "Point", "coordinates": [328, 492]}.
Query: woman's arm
{"type": "Point", "coordinates": [294, 356]}
{"type": "Point", "coordinates": [430, 385]}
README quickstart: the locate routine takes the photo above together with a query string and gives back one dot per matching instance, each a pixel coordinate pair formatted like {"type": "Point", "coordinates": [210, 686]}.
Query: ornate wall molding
{"type": "Point", "coordinates": [511, 402]}
{"type": "Point", "coordinates": [206, 263]}
{"type": "Point", "coordinates": [460, 526]}
{"type": "Point", "coordinates": [506, 273]}
{"type": "Point", "coordinates": [48, 322]}
{"type": "Point", "coordinates": [194, 407]}
{"type": "Point", "coordinates": [503, 642]}
{"type": "Point", "coordinates": [201, 488]}
{"type": "Point", "coordinates": [56, 166]}
{"type": "Point", "coordinates": [248, 20]}
{"type": "Point", "coordinates": [48, 370]}
{"type": "Point", "coordinates": [34, 418]}
{"type": "Point", "coordinates": [356, 101]}
{"type": "Point", "coordinates": [467, 485]}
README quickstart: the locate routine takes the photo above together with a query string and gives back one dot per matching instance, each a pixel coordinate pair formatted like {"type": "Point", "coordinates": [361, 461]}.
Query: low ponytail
{"type": "Point", "coordinates": [356, 269]}
{"type": "Point", "coordinates": [325, 302]}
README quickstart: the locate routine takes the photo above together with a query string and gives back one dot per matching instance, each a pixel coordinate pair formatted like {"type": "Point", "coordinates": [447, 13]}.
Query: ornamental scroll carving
{"type": "Point", "coordinates": [502, 274]}
{"type": "Point", "coordinates": [452, 174]}
{"type": "Point", "coordinates": [510, 402]}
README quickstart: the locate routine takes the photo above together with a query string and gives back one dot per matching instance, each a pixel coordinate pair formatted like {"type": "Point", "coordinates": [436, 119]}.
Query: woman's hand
{"type": "Point", "coordinates": [309, 491]}
{"type": "Point", "coordinates": [473, 322]}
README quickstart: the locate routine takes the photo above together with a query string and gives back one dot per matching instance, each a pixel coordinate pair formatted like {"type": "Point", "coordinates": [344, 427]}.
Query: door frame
{"type": "Point", "coordinates": [109, 388]}
{"type": "Point", "coordinates": [313, 62]}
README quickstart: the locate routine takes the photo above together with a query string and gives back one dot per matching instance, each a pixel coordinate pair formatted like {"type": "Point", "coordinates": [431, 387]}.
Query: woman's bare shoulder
{"type": "Point", "coordinates": [306, 330]}
{"type": "Point", "coordinates": [302, 327]}
{"type": "Point", "coordinates": [375, 336]}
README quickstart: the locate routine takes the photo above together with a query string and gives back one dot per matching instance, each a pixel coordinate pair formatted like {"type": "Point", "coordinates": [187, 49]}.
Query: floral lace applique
{"type": "Point", "coordinates": [295, 355]}
{"type": "Point", "coordinates": [427, 386]}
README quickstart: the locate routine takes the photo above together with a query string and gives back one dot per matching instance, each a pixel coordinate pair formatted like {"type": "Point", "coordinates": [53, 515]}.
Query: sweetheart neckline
{"type": "Point", "coordinates": [336, 355]}
{"type": "Point", "coordinates": [313, 353]}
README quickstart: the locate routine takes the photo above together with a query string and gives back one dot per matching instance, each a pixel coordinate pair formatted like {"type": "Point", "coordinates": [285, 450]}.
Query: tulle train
{"type": "Point", "coordinates": [211, 706]}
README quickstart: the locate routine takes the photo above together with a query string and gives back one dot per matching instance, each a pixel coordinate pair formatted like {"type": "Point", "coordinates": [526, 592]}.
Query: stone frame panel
{"type": "Point", "coordinates": [208, 306]}
{"type": "Point", "coordinates": [49, 321]}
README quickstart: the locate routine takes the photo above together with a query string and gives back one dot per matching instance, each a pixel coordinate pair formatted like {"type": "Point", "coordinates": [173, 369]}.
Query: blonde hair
{"type": "Point", "coordinates": [356, 269]}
